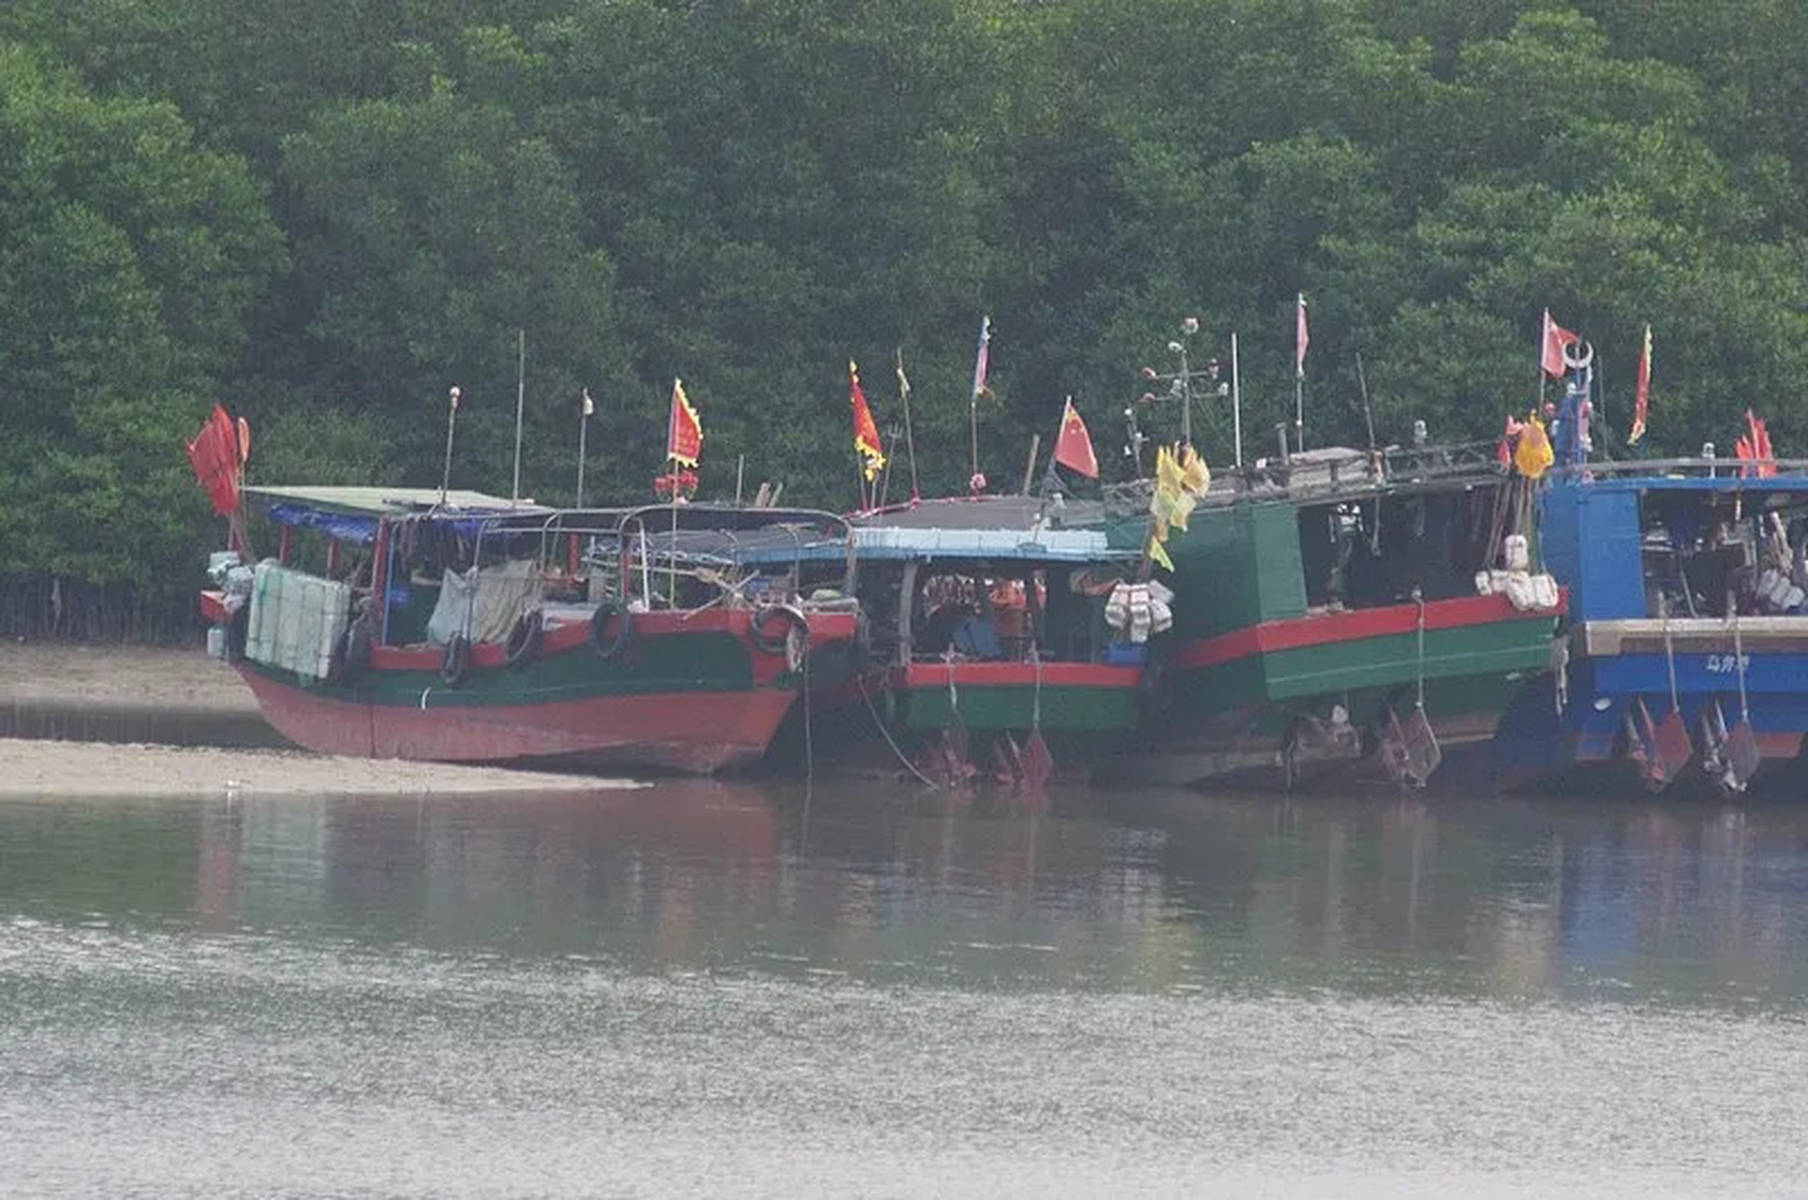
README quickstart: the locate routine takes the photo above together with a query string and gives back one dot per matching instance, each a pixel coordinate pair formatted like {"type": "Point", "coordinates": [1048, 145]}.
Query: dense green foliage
{"type": "Point", "coordinates": [325, 212]}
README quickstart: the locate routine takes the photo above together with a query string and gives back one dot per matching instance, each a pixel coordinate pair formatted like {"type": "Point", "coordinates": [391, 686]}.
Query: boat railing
{"type": "Point", "coordinates": [722, 539]}
{"type": "Point", "coordinates": [1319, 476]}
{"type": "Point", "coordinates": [1744, 469]}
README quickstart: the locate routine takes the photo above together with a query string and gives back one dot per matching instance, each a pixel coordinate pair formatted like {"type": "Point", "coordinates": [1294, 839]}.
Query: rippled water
{"type": "Point", "coordinates": [724, 989]}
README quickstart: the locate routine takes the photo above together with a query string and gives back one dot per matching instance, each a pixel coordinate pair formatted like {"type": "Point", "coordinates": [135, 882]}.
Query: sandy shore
{"type": "Point", "coordinates": [161, 681]}
{"type": "Point", "coordinates": [34, 768]}
{"type": "Point", "coordinates": [150, 677]}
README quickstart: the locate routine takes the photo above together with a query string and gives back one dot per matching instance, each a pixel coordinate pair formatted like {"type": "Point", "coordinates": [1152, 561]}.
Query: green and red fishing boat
{"type": "Point", "coordinates": [1340, 615]}
{"type": "Point", "coordinates": [987, 647]}
{"type": "Point", "coordinates": [455, 626]}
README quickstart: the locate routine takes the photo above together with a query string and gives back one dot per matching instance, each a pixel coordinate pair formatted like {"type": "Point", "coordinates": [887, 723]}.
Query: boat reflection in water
{"type": "Point", "coordinates": [714, 989]}
{"type": "Point", "coordinates": [1384, 894]}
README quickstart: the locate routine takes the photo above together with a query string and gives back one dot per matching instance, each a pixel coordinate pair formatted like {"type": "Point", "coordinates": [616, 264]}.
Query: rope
{"type": "Point", "coordinates": [1419, 599]}
{"type": "Point", "coordinates": [1036, 704]}
{"type": "Point", "coordinates": [879, 724]}
{"type": "Point", "coordinates": [1739, 664]}
{"type": "Point", "coordinates": [809, 744]}
{"type": "Point", "coordinates": [1663, 611]}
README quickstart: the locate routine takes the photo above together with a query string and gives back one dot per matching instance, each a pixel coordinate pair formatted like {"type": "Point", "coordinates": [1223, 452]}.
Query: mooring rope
{"type": "Point", "coordinates": [879, 724]}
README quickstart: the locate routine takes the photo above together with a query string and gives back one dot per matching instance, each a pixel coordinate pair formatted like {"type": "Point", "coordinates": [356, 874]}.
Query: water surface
{"type": "Point", "coordinates": [709, 989]}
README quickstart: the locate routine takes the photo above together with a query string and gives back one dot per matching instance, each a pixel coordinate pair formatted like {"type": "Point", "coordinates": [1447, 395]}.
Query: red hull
{"type": "Point", "coordinates": [694, 731]}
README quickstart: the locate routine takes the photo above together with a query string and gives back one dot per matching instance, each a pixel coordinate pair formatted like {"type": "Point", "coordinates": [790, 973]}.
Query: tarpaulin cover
{"type": "Point", "coordinates": [342, 526]}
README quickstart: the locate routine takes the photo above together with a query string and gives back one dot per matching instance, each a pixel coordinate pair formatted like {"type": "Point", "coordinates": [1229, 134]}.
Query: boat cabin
{"type": "Point", "coordinates": [1336, 530]}
{"type": "Point", "coordinates": [1683, 539]}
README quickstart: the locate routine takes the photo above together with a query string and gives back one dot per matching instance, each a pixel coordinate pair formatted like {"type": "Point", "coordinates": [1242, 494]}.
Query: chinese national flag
{"type": "Point", "coordinates": [1073, 448]}
{"type": "Point", "coordinates": [1554, 340]}
{"type": "Point", "coordinates": [866, 430]}
{"type": "Point", "coordinates": [684, 430]}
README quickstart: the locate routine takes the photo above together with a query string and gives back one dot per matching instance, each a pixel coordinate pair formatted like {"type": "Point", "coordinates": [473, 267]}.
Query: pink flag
{"type": "Point", "coordinates": [983, 359]}
{"type": "Point", "coordinates": [1552, 343]}
{"type": "Point", "coordinates": [1301, 339]}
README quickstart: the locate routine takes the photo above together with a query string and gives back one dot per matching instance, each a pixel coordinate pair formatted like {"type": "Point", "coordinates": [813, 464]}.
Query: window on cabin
{"type": "Point", "coordinates": [1712, 555]}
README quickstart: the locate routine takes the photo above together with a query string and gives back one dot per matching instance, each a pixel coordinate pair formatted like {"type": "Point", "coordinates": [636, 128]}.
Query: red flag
{"type": "Point", "coordinates": [1641, 393]}
{"type": "Point", "coordinates": [1300, 338]}
{"type": "Point", "coordinates": [684, 430]}
{"type": "Point", "coordinates": [214, 454]}
{"type": "Point", "coordinates": [1554, 340]}
{"type": "Point", "coordinates": [1073, 448]}
{"type": "Point", "coordinates": [1756, 445]}
{"type": "Point", "coordinates": [866, 431]}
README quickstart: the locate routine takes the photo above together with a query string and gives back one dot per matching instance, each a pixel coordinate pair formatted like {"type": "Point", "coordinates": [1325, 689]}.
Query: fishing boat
{"type": "Point", "coordinates": [988, 651]}
{"type": "Point", "coordinates": [1686, 660]}
{"type": "Point", "coordinates": [457, 626]}
{"type": "Point", "coordinates": [1343, 615]}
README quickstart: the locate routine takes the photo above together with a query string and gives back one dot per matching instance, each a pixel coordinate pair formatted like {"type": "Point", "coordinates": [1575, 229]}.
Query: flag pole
{"type": "Point", "coordinates": [909, 441]}
{"type": "Point", "coordinates": [671, 555]}
{"type": "Point", "coordinates": [1368, 415]}
{"type": "Point", "coordinates": [973, 441]}
{"type": "Point", "coordinates": [1029, 468]}
{"type": "Point", "coordinates": [981, 364]}
{"type": "Point", "coordinates": [1236, 398]}
{"type": "Point", "coordinates": [583, 430]}
{"type": "Point", "coordinates": [445, 478]}
{"type": "Point", "coordinates": [520, 404]}
{"type": "Point", "coordinates": [891, 435]}
{"type": "Point", "coordinates": [1299, 413]}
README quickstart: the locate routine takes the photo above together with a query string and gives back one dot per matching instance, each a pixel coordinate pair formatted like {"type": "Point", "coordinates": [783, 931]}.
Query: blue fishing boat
{"type": "Point", "coordinates": [1685, 660]}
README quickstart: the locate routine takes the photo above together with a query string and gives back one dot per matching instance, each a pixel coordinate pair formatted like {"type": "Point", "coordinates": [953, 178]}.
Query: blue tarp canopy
{"type": "Point", "coordinates": [781, 548]}
{"type": "Point", "coordinates": [350, 514]}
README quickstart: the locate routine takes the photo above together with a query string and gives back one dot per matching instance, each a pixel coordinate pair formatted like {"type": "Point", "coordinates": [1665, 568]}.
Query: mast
{"type": "Point", "coordinates": [909, 442]}
{"type": "Point", "coordinates": [520, 404]}
{"type": "Point", "coordinates": [583, 430]}
{"type": "Point", "coordinates": [445, 477]}
{"type": "Point", "coordinates": [1236, 398]}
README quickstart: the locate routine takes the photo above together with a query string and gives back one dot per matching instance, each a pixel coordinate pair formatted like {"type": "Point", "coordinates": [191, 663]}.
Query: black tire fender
{"type": "Point", "coordinates": [1152, 695]}
{"type": "Point", "coordinates": [238, 631]}
{"type": "Point", "coordinates": [608, 645]}
{"type": "Point", "coordinates": [353, 657]}
{"type": "Point", "coordinates": [524, 639]}
{"type": "Point", "coordinates": [457, 662]}
{"type": "Point", "coordinates": [772, 631]}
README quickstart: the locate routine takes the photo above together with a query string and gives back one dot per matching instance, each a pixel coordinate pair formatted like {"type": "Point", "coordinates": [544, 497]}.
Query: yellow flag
{"type": "Point", "coordinates": [1533, 454]}
{"type": "Point", "coordinates": [1168, 475]}
{"type": "Point", "coordinates": [1158, 554]}
{"type": "Point", "coordinates": [1195, 476]}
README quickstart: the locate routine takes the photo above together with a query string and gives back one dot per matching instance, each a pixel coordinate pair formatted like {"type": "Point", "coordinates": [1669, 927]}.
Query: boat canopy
{"type": "Point", "coordinates": [390, 501]}
{"type": "Point", "coordinates": [350, 514]}
{"type": "Point", "coordinates": [1686, 475]}
{"type": "Point", "coordinates": [782, 546]}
